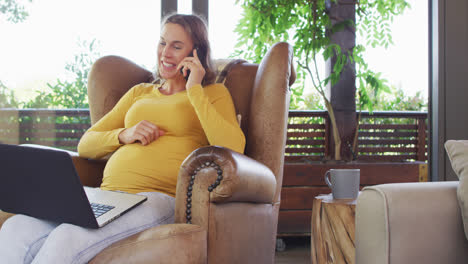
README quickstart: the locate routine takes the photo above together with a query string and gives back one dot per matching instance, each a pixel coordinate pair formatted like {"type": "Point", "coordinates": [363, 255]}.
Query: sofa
{"type": "Point", "coordinates": [416, 222]}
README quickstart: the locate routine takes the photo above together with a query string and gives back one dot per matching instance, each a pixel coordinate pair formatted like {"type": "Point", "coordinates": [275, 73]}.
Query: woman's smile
{"type": "Point", "coordinates": [168, 67]}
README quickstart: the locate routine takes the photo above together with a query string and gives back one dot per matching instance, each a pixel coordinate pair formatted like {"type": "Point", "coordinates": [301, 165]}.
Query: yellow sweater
{"type": "Point", "coordinates": [191, 119]}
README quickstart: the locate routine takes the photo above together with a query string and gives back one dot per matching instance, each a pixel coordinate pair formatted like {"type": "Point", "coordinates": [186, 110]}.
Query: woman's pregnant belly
{"type": "Point", "coordinates": [135, 168]}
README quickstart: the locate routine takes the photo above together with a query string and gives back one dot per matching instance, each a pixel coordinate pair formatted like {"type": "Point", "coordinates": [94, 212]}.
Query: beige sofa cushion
{"type": "Point", "coordinates": [457, 151]}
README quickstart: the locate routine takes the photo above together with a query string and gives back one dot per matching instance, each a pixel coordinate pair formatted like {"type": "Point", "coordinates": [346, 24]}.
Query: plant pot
{"type": "Point", "coordinates": [304, 181]}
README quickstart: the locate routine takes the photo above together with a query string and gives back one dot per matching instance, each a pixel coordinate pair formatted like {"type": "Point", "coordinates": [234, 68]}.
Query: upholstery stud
{"type": "Point", "coordinates": [210, 188]}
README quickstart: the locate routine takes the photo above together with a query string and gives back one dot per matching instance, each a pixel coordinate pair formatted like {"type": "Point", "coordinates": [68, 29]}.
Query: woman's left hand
{"type": "Point", "coordinates": [197, 72]}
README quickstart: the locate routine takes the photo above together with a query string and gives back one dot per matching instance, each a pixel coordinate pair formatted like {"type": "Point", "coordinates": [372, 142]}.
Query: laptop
{"type": "Point", "coordinates": [43, 183]}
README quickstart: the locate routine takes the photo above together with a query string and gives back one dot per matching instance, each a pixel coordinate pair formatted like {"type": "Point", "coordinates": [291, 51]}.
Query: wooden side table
{"type": "Point", "coordinates": [332, 230]}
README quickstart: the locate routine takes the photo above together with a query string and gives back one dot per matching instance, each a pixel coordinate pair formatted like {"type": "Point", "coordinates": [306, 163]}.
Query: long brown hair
{"type": "Point", "coordinates": [197, 29]}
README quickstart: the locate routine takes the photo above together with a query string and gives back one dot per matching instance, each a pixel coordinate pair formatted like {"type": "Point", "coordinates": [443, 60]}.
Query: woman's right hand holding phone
{"type": "Point", "coordinates": [144, 132]}
{"type": "Point", "coordinates": [192, 64]}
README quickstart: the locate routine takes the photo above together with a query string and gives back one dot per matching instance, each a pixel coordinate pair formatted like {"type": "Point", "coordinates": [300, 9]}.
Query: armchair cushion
{"type": "Point", "coordinates": [457, 151]}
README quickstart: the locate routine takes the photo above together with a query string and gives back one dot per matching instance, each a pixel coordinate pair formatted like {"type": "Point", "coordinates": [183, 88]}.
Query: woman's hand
{"type": "Point", "coordinates": [145, 132]}
{"type": "Point", "coordinates": [197, 72]}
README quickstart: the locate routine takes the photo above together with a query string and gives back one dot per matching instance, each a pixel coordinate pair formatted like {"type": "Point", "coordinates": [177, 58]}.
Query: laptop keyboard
{"type": "Point", "coordinates": [100, 209]}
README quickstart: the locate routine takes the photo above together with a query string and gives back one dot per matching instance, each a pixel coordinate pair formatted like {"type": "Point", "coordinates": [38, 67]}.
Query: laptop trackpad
{"type": "Point", "coordinates": [119, 202]}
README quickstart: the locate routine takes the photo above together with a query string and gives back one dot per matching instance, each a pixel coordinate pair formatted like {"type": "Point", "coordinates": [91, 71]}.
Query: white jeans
{"type": "Point", "coordinates": [25, 239]}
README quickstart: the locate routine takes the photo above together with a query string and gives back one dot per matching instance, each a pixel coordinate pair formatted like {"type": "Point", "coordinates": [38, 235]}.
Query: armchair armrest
{"type": "Point", "coordinates": [219, 175]}
{"type": "Point", "coordinates": [171, 243]}
{"type": "Point", "coordinates": [410, 223]}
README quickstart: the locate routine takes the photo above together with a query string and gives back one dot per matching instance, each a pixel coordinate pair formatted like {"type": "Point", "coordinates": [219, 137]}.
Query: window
{"type": "Point", "coordinates": [405, 64]}
{"type": "Point", "coordinates": [35, 51]}
{"type": "Point", "coordinates": [224, 16]}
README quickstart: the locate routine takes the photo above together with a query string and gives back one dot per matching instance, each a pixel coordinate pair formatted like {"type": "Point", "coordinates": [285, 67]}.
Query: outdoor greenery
{"type": "Point", "coordinates": [396, 100]}
{"type": "Point", "coordinates": [399, 100]}
{"type": "Point", "coordinates": [64, 93]}
{"type": "Point", "coordinates": [305, 23]}
{"type": "Point", "coordinates": [7, 97]}
{"type": "Point", "coordinates": [14, 10]}
{"type": "Point", "coordinates": [308, 25]}
{"type": "Point", "coordinates": [269, 22]}
{"type": "Point", "coordinates": [70, 93]}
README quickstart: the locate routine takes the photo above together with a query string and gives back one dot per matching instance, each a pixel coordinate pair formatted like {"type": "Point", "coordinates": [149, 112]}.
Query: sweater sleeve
{"type": "Point", "coordinates": [217, 116]}
{"type": "Point", "coordinates": [102, 138]}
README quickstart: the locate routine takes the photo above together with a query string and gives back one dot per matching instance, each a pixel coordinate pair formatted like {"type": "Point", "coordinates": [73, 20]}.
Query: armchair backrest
{"type": "Point", "coordinates": [260, 94]}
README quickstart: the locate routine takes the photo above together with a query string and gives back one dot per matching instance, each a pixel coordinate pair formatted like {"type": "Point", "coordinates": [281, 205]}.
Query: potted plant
{"type": "Point", "coordinates": [309, 26]}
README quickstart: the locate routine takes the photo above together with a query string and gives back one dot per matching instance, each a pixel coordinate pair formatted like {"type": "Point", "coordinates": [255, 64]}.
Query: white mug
{"type": "Point", "coordinates": [343, 182]}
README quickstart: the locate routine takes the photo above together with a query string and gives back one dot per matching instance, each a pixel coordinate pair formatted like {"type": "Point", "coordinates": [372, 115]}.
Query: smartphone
{"type": "Point", "coordinates": [188, 71]}
{"type": "Point", "coordinates": [182, 72]}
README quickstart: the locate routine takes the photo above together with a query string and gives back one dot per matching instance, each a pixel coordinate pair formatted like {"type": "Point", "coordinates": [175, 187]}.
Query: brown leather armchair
{"type": "Point", "coordinates": [231, 213]}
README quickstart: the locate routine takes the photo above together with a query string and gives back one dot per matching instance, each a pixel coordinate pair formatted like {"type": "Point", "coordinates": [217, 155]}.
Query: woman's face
{"type": "Point", "coordinates": [174, 45]}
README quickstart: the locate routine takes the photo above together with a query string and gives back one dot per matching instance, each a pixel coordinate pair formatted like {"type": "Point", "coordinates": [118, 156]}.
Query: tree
{"type": "Point", "coordinates": [307, 24]}
{"type": "Point", "coordinates": [14, 11]}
